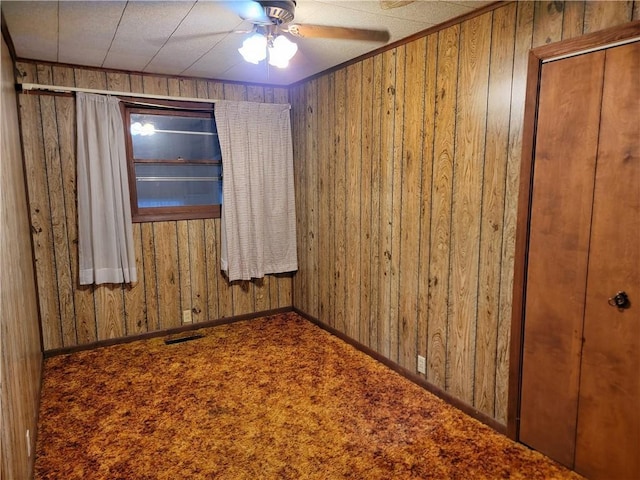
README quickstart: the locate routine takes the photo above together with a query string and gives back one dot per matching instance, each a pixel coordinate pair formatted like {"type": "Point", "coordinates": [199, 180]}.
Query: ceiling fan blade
{"type": "Point", "coordinates": [198, 36]}
{"type": "Point", "coordinates": [389, 4]}
{"type": "Point", "coordinates": [345, 33]}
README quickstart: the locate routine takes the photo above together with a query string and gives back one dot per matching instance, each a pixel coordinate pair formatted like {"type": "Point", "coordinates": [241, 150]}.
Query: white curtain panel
{"type": "Point", "coordinates": [258, 211]}
{"type": "Point", "coordinates": [105, 240]}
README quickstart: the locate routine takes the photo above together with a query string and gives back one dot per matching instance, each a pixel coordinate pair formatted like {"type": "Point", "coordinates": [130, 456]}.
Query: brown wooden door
{"type": "Point", "coordinates": [580, 394]}
{"type": "Point", "coordinates": [608, 435]}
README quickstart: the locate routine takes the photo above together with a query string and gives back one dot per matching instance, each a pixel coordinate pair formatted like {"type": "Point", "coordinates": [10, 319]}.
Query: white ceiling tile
{"type": "Point", "coordinates": [208, 24]}
{"type": "Point", "coordinates": [21, 17]}
{"type": "Point", "coordinates": [87, 30]}
{"type": "Point", "coordinates": [220, 58]}
{"type": "Point", "coordinates": [147, 26]}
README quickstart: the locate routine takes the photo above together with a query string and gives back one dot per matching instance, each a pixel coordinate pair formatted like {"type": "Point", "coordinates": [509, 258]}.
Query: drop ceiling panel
{"type": "Point", "coordinates": [206, 26]}
{"type": "Point", "coordinates": [223, 56]}
{"type": "Point", "coordinates": [144, 28]}
{"type": "Point", "coordinates": [22, 16]}
{"type": "Point", "coordinates": [86, 31]}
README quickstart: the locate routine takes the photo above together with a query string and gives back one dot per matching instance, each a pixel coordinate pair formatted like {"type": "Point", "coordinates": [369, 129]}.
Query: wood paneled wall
{"type": "Point", "coordinates": [178, 261]}
{"type": "Point", "coordinates": [20, 345]}
{"type": "Point", "coordinates": [407, 166]}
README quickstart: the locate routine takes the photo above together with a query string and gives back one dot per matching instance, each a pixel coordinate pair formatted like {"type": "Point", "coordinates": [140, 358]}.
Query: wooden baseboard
{"type": "Point", "coordinates": [418, 380]}
{"type": "Point", "coordinates": [164, 333]}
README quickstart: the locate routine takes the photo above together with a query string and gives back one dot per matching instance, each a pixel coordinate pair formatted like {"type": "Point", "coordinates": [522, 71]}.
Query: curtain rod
{"type": "Point", "coordinates": [60, 89]}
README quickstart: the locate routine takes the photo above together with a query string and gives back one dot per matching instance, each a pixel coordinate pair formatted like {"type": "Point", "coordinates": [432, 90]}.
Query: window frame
{"type": "Point", "coordinates": [165, 108]}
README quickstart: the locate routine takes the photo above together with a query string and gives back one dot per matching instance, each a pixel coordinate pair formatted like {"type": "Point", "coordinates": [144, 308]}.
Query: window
{"type": "Point", "coordinates": [175, 165]}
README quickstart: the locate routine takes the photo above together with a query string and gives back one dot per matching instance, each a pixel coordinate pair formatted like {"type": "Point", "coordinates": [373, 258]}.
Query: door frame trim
{"type": "Point", "coordinates": [537, 56]}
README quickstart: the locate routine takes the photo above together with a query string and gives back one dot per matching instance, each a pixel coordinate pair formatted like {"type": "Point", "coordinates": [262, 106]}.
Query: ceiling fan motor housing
{"type": "Point", "coordinates": [279, 11]}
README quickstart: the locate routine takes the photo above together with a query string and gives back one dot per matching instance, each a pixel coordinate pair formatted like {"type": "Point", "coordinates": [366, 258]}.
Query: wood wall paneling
{"type": "Point", "coordinates": [304, 156]}
{"type": "Point", "coordinates": [572, 20]}
{"type": "Point", "coordinates": [548, 22]}
{"type": "Point", "coordinates": [211, 267]}
{"type": "Point", "coordinates": [339, 194]}
{"type": "Point", "coordinates": [353, 172]}
{"type": "Point", "coordinates": [416, 167]}
{"type": "Point", "coordinates": [473, 77]}
{"type": "Point", "coordinates": [40, 212]}
{"type": "Point", "coordinates": [20, 344]}
{"type": "Point", "coordinates": [491, 227]}
{"type": "Point", "coordinates": [197, 263]}
{"type": "Point", "coordinates": [311, 190]}
{"type": "Point", "coordinates": [410, 201]}
{"type": "Point", "coordinates": [134, 294]}
{"type": "Point", "coordinates": [177, 262]}
{"type": "Point", "coordinates": [396, 200]}
{"type": "Point", "coordinates": [168, 274]}
{"type": "Point", "coordinates": [325, 243]}
{"type": "Point", "coordinates": [523, 39]}
{"type": "Point", "coordinates": [365, 197]}
{"type": "Point", "coordinates": [376, 173]}
{"type": "Point", "coordinates": [225, 293]}
{"type": "Point", "coordinates": [601, 15]}
{"type": "Point", "coordinates": [424, 261]}
{"type": "Point", "coordinates": [387, 117]}
{"type": "Point", "coordinates": [441, 188]}
{"type": "Point", "coordinates": [149, 268]}
{"type": "Point", "coordinates": [57, 202]}
{"type": "Point", "coordinates": [300, 161]}
{"type": "Point", "coordinates": [184, 266]}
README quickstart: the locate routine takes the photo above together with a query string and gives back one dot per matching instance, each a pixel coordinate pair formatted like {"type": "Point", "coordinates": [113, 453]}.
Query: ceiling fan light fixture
{"type": "Point", "coordinates": [254, 48]}
{"type": "Point", "coordinates": [281, 51]}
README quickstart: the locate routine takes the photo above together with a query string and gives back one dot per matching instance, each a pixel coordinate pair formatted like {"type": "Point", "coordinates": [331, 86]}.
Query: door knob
{"type": "Point", "coordinates": [620, 300]}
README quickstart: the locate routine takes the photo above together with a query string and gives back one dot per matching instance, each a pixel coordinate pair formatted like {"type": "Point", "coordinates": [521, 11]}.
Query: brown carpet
{"type": "Point", "coordinates": [271, 398]}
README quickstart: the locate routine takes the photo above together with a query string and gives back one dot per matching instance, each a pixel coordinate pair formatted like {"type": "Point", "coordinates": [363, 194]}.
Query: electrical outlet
{"type": "Point", "coordinates": [422, 364]}
{"type": "Point", "coordinates": [28, 435]}
{"type": "Point", "coordinates": [186, 316]}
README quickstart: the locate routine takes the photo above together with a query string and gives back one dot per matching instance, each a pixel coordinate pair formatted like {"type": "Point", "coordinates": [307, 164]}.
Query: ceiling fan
{"type": "Point", "coordinates": [272, 19]}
